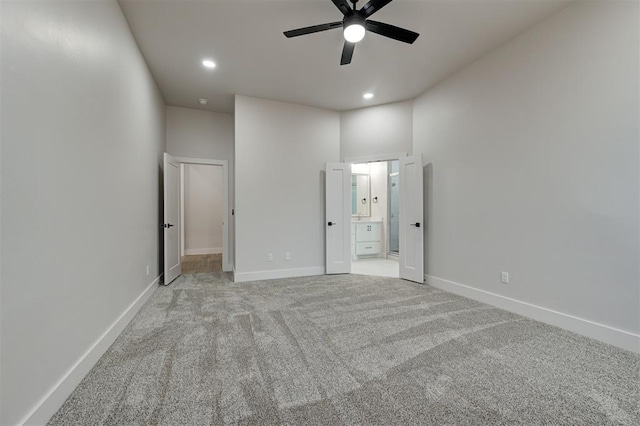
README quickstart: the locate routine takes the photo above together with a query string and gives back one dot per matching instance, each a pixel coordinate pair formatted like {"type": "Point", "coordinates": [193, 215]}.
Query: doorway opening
{"type": "Point", "coordinates": [346, 201]}
{"type": "Point", "coordinates": [173, 213]}
{"type": "Point", "coordinates": [201, 206]}
{"type": "Point", "coordinates": [375, 205]}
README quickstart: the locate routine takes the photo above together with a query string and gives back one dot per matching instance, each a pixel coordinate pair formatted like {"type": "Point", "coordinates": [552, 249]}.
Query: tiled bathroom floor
{"type": "Point", "coordinates": [376, 266]}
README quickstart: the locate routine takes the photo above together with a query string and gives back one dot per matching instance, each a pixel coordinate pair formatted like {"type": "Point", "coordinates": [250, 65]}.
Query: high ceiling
{"type": "Point", "coordinates": [244, 38]}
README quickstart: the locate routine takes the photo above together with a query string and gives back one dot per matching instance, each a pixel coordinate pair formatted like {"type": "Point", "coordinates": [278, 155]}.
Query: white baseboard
{"type": "Point", "coordinates": [240, 277]}
{"type": "Point", "coordinates": [210, 250]}
{"type": "Point", "coordinates": [58, 394]}
{"type": "Point", "coordinates": [613, 336]}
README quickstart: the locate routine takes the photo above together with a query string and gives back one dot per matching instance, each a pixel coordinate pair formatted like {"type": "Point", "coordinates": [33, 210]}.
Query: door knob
{"type": "Point", "coordinates": [417, 224]}
{"type": "Point", "coordinates": [167, 225]}
{"type": "Point", "coordinates": [331, 223]}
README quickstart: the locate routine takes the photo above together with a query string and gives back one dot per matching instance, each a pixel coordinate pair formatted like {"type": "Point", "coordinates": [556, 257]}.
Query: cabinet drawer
{"type": "Point", "coordinates": [368, 232]}
{"type": "Point", "coordinates": [367, 248]}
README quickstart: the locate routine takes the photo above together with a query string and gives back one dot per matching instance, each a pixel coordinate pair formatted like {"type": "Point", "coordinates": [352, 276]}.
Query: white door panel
{"type": "Point", "coordinates": [338, 218]}
{"type": "Point", "coordinates": [411, 219]}
{"type": "Point", "coordinates": [172, 266]}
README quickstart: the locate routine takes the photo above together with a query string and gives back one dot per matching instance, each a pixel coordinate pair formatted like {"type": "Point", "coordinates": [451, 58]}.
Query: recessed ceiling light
{"type": "Point", "coordinates": [203, 101]}
{"type": "Point", "coordinates": [208, 63]}
{"type": "Point", "coordinates": [368, 95]}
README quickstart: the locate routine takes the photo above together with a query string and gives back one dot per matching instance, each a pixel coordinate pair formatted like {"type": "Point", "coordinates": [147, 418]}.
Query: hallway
{"type": "Point", "coordinates": [200, 263]}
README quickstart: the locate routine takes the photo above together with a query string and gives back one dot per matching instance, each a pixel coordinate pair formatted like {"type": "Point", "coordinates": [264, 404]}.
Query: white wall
{"type": "Point", "coordinates": [199, 134]}
{"type": "Point", "coordinates": [82, 140]}
{"type": "Point", "coordinates": [207, 135]}
{"type": "Point", "coordinates": [378, 172]}
{"type": "Point", "coordinates": [203, 198]}
{"type": "Point", "coordinates": [532, 156]}
{"type": "Point", "coordinates": [382, 129]}
{"type": "Point", "coordinates": [281, 151]}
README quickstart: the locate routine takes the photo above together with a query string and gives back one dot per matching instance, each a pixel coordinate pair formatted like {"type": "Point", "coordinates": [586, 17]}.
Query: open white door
{"type": "Point", "coordinates": [338, 218]}
{"type": "Point", "coordinates": [172, 267]}
{"type": "Point", "coordinates": [411, 219]}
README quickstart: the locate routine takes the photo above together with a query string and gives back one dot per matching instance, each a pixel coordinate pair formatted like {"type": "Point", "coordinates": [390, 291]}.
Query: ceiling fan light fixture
{"type": "Point", "coordinates": [354, 28]}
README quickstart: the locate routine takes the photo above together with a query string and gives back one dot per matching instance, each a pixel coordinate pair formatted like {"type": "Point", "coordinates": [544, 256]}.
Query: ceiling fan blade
{"type": "Point", "coordinates": [313, 29]}
{"type": "Point", "coordinates": [344, 6]}
{"type": "Point", "coordinates": [391, 31]}
{"type": "Point", "coordinates": [373, 6]}
{"type": "Point", "coordinates": [347, 53]}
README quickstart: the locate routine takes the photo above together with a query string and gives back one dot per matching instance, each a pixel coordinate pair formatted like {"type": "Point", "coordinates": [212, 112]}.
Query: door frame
{"type": "Point", "coordinates": [375, 157]}
{"type": "Point", "coordinates": [226, 263]}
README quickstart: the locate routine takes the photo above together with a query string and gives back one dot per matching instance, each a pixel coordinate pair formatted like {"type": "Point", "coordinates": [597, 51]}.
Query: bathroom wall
{"type": "Point", "coordinates": [378, 173]}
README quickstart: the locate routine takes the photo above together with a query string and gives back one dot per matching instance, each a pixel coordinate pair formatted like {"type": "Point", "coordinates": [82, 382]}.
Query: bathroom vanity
{"type": "Point", "coordinates": [366, 239]}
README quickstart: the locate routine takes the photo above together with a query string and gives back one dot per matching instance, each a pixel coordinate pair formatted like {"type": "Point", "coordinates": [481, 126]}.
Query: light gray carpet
{"type": "Point", "coordinates": [347, 350]}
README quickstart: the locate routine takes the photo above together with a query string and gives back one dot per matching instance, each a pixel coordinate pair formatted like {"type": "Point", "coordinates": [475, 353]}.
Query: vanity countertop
{"type": "Point", "coordinates": [366, 220]}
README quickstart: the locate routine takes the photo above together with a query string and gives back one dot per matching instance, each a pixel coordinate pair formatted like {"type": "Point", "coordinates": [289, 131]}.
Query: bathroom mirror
{"type": "Point", "coordinates": [360, 195]}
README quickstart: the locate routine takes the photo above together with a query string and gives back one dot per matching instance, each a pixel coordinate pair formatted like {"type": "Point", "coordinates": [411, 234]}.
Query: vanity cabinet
{"type": "Point", "coordinates": [368, 237]}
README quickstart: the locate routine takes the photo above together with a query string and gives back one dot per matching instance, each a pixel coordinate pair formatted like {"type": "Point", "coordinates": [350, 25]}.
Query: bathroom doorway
{"type": "Point", "coordinates": [374, 218]}
{"type": "Point", "coordinates": [363, 226]}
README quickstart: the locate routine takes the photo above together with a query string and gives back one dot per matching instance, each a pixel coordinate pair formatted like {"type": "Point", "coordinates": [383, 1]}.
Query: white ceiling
{"type": "Point", "coordinates": [244, 37]}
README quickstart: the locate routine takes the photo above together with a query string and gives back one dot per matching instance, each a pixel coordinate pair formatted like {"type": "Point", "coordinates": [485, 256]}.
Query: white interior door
{"type": "Point", "coordinates": [411, 219]}
{"type": "Point", "coordinates": [172, 267]}
{"type": "Point", "coordinates": [338, 218]}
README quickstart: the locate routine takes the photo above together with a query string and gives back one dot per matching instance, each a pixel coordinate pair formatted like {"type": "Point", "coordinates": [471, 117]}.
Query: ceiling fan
{"type": "Point", "coordinates": [355, 23]}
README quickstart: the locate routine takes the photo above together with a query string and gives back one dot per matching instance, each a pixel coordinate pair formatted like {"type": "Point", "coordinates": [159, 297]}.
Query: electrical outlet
{"type": "Point", "coordinates": [287, 255]}
{"type": "Point", "coordinates": [504, 277]}
{"type": "Point", "coordinates": [270, 257]}
{"type": "Point", "coordinates": [147, 269]}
